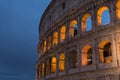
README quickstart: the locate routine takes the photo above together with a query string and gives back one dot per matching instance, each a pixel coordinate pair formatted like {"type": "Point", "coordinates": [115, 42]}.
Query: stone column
{"type": "Point", "coordinates": [94, 18]}
{"type": "Point", "coordinates": [80, 29]}
{"type": "Point", "coordinates": [67, 30]}
{"type": "Point", "coordinates": [52, 39]}
{"type": "Point", "coordinates": [112, 11]}
{"type": "Point", "coordinates": [114, 47]}
{"type": "Point", "coordinates": [78, 56]}
{"type": "Point", "coordinates": [59, 35]}
{"type": "Point", "coordinates": [57, 64]}
{"type": "Point", "coordinates": [93, 52]}
{"type": "Point", "coordinates": [44, 70]}
{"type": "Point", "coordinates": [66, 61]}
{"type": "Point", "coordinates": [96, 52]}
{"type": "Point", "coordinates": [79, 25]}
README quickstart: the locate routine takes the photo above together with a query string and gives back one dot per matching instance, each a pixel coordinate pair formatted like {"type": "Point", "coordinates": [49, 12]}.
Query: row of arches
{"type": "Point", "coordinates": [118, 9]}
{"type": "Point", "coordinates": [72, 59]}
{"type": "Point", "coordinates": [100, 13]}
{"type": "Point", "coordinates": [103, 18]}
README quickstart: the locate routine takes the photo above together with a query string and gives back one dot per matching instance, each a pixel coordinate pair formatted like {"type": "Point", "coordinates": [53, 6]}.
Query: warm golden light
{"type": "Point", "coordinates": [105, 52]}
{"type": "Point", "coordinates": [71, 29]}
{"type": "Point", "coordinates": [86, 55]}
{"type": "Point", "coordinates": [53, 65]}
{"type": "Point", "coordinates": [49, 43]}
{"type": "Point", "coordinates": [118, 9]}
{"type": "Point", "coordinates": [42, 67]}
{"type": "Point", "coordinates": [44, 46]}
{"type": "Point", "coordinates": [62, 62]}
{"type": "Point", "coordinates": [83, 23]}
{"type": "Point", "coordinates": [62, 33]}
{"type": "Point", "coordinates": [55, 38]}
{"type": "Point", "coordinates": [99, 14]}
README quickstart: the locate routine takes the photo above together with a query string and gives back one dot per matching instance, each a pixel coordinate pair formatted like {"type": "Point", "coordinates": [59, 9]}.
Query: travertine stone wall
{"type": "Point", "coordinates": [60, 13]}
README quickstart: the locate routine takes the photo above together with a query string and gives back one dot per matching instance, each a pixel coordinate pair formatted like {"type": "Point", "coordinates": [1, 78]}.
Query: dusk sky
{"type": "Point", "coordinates": [19, 20]}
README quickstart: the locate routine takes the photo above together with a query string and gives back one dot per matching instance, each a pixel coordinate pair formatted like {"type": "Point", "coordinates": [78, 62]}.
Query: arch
{"type": "Point", "coordinates": [118, 9]}
{"type": "Point", "coordinates": [105, 52]}
{"type": "Point", "coordinates": [55, 38]}
{"type": "Point", "coordinates": [73, 30]}
{"type": "Point", "coordinates": [62, 62]}
{"type": "Point", "coordinates": [86, 23]}
{"type": "Point", "coordinates": [73, 62]}
{"type": "Point", "coordinates": [42, 70]}
{"type": "Point", "coordinates": [62, 33]}
{"type": "Point", "coordinates": [86, 55]}
{"type": "Point", "coordinates": [53, 65]}
{"type": "Point", "coordinates": [49, 43]}
{"type": "Point", "coordinates": [103, 16]}
{"type": "Point", "coordinates": [44, 46]}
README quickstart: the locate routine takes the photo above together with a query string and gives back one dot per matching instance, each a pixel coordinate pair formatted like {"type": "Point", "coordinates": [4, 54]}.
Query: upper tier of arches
{"type": "Point", "coordinates": [94, 17]}
{"type": "Point", "coordinates": [60, 35]}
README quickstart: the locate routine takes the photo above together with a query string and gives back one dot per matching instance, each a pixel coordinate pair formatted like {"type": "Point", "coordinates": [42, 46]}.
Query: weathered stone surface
{"type": "Point", "coordinates": [60, 13]}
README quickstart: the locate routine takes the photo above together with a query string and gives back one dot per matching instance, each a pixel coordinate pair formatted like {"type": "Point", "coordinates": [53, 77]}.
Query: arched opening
{"type": "Point", "coordinates": [42, 70]}
{"type": "Point", "coordinates": [62, 33]}
{"type": "Point", "coordinates": [62, 62]}
{"type": "Point", "coordinates": [105, 52]}
{"type": "Point", "coordinates": [49, 43]}
{"type": "Point", "coordinates": [103, 16]}
{"type": "Point", "coordinates": [55, 38]}
{"type": "Point", "coordinates": [44, 46]}
{"type": "Point", "coordinates": [73, 30]}
{"type": "Point", "coordinates": [86, 55]}
{"type": "Point", "coordinates": [53, 65]}
{"type": "Point", "coordinates": [73, 63]}
{"type": "Point", "coordinates": [86, 23]}
{"type": "Point", "coordinates": [118, 9]}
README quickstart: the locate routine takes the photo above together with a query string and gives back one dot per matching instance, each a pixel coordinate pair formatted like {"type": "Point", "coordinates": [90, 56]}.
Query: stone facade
{"type": "Point", "coordinates": [66, 54]}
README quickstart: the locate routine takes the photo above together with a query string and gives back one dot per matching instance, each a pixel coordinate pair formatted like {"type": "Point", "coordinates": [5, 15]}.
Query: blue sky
{"type": "Point", "coordinates": [19, 20]}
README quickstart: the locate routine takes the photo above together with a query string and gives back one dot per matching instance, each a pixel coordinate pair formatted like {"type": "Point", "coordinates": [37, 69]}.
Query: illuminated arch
{"type": "Point", "coordinates": [86, 23]}
{"type": "Point", "coordinates": [86, 55]}
{"type": "Point", "coordinates": [55, 38]}
{"type": "Point", "coordinates": [73, 63]}
{"type": "Point", "coordinates": [103, 16]}
{"type": "Point", "coordinates": [44, 46]}
{"type": "Point", "coordinates": [118, 9]}
{"type": "Point", "coordinates": [105, 52]}
{"type": "Point", "coordinates": [73, 30]}
{"type": "Point", "coordinates": [62, 62]}
{"type": "Point", "coordinates": [42, 70]}
{"type": "Point", "coordinates": [49, 43]}
{"type": "Point", "coordinates": [62, 33]}
{"type": "Point", "coordinates": [53, 65]}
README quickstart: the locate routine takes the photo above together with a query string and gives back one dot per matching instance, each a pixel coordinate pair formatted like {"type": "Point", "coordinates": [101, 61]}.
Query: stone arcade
{"type": "Point", "coordinates": [78, 42]}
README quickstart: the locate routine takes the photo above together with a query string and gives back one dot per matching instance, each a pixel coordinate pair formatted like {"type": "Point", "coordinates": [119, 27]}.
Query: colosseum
{"type": "Point", "coordinates": [79, 40]}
